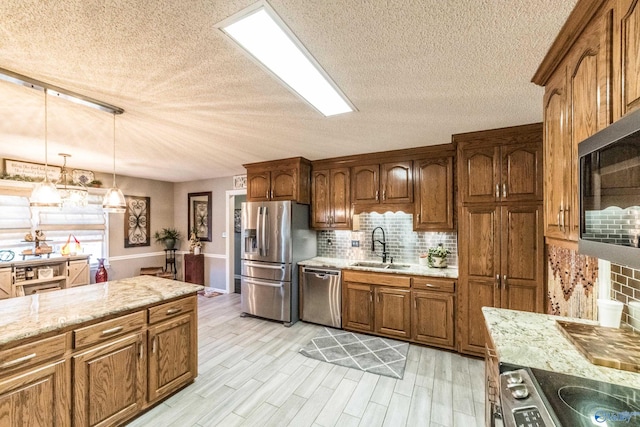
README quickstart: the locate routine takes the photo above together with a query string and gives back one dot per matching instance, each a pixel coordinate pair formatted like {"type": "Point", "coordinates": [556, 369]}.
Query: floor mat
{"type": "Point", "coordinates": [381, 356]}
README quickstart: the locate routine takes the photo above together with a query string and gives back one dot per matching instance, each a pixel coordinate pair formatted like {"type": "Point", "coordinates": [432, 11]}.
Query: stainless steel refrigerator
{"type": "Point", "coordinates": [275, 236]}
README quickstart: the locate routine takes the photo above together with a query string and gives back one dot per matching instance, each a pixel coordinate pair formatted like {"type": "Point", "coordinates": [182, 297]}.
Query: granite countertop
{"type": "Point", "coordinates": [534, 340]}
{"type": "Point", "coordinates": [414, 269]}
{"type": "Point", "coordinates": [28, 316]}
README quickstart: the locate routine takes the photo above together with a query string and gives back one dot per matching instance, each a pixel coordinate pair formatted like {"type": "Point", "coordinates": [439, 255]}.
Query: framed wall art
{"type": "Point", "coordinates": [137, 222]}
{"type": "Point", "coordinates": [199, 207]}
{"type": "Point", "coordinates": [239, 182]}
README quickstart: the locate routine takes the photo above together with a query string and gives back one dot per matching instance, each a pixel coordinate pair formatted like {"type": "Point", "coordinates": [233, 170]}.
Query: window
{"type": "Point", "coordinates": [87, 224]}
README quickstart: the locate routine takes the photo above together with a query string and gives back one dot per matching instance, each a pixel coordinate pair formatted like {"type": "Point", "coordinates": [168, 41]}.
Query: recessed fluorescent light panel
{"type": "Point", "coordinates": [262, 34]}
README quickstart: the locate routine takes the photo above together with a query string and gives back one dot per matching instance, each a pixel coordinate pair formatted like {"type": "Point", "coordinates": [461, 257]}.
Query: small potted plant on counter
{"type": "Point", "coordinates": [438, 256]}
{"type": "Point", "coordinates": [168, 237]}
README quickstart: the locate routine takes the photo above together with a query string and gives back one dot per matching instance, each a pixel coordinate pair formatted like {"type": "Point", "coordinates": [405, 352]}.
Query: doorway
{"type": "Point", "coordinates": [234, 201]}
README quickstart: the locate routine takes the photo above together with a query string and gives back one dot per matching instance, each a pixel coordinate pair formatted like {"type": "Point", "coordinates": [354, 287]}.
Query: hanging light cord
{"type": "Point", "coordinates": [46, 148]}
{"type": "Point", "coordinates": [114, 150]}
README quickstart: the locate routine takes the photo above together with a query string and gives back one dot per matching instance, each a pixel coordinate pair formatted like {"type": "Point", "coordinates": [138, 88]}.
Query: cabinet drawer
{"type": "Point", "coordinates": [32, 353]}
{"type": "Point", "coordinates": [171, 309]}
{"type": "Point", "coordinates": [389, 279]}
{"type": "Point", "coordinates": [105, 330]}
{"type": "Point", "coordinates": [432, 284]}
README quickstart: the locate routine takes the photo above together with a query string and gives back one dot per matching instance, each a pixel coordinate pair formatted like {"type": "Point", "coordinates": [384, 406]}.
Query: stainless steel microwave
{"type": "Point", "coordinates": [609, 164]}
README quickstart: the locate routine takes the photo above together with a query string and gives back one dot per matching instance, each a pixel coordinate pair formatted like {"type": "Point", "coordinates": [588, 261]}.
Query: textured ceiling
{"type": "Point", "coordinates": [196, 107]}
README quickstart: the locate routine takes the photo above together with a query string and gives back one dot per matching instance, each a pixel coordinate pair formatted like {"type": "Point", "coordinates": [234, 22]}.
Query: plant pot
{"type": "Point", "coordinates": [438, 262]}
{"type": "Point", "coordinates": [170, 243]}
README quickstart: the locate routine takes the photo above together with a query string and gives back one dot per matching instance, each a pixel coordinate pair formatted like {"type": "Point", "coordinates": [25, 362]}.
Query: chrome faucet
{"type": "Point", "coordinates": [383, 242]}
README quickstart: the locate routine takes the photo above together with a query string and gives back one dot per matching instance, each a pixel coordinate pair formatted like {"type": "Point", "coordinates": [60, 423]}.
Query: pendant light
{"type": "Point", "coordinates": [72, 194]}
{"type": "Point", "coordinates": [45, 194]}
{"type": "Point", "coordinates": [113, 201]}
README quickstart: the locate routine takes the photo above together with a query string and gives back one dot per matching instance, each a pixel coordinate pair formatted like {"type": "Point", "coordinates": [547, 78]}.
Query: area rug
{"type": "Point", "coordinates": [380, 356]}
{"type": "Point", "coordinates": [209, 293]}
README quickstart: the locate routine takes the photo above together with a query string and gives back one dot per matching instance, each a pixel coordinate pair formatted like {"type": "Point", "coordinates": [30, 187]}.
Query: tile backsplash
{"type": "Point", "coordinates": [403, 244]}
{"type": "Point", "coordinates": [625, 287]}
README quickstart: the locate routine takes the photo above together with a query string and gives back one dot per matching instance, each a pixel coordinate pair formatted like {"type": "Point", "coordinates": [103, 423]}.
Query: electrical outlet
{"type": "Point", "coordinates": [355, 243]}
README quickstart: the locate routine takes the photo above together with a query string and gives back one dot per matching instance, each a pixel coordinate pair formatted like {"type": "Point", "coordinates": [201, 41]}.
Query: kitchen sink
{"type": "Point", "coordinates": [381, 266]}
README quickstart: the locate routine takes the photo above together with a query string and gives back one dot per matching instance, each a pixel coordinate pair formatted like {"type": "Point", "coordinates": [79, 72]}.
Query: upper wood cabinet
{"type": "Point", "coordinates": [331, 199]}
{"type": "Point", "coordinates": [434, 194]}
{"type": "Point", "coordinates": [287, 179]}
{"type": "Point", "coordinates": [591, 77]}
{"type": "Point", "coordinates": [502, 165]}
{"type": "Point", "coordinates": [630, 54]}
{"type": "Point", "coordinates": [6, 283]}
{"type": "Point", "coordinates": [385, 183]}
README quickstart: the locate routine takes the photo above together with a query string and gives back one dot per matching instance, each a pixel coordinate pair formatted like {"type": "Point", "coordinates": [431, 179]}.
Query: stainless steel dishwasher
{"type": "Point", "coordinates": [321, 296]}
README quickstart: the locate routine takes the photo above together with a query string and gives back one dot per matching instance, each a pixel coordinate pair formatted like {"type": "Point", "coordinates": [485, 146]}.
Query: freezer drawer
{"type": "Point", "coordinates": [266, 270]}
{"type": "Point", "coordinates": [266, 298]}
{"type": "Point", "coordinates": [321, 297]}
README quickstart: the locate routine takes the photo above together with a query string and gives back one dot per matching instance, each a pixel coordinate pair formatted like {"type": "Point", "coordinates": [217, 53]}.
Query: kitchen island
{"type": "Point", "coordinates": [96, 354]}
{"type": "Point", "coordinates": [533, 340]}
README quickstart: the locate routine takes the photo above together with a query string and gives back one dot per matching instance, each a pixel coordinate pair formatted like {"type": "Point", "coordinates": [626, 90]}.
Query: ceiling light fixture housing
{"type": "Point", "coordinates": [261, 33]}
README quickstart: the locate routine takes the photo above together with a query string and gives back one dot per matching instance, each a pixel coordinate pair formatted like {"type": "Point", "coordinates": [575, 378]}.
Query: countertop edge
{"type": "Point", "coordinates": [35, 315]}
{"type": "Point", "coordinates": [414, 270]}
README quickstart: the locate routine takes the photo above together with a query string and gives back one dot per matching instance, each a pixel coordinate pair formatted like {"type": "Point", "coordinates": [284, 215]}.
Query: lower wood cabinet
{"type": "Point", "coordinates": [172, 359]}
{"type": "Point", "coordinates": [432, 318]}
{"type": "Point", "coordinates": [6, 283]}
{"type": "Point", "coordinates": [357, 311]}
{"type": "Point", "coordinates": [413, 308]}
{"type": "Point", "coordinates": [393, 312]}
{"type": "Point", "coordinates": [36, 397]}
{"type": "Point", "coordinates": [108, 382]}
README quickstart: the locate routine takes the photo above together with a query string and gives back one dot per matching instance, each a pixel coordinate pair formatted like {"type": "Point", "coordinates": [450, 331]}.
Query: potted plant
{"type": "Point", "coordinates": [168, 237]}
{"type": "Point", "coordinates": [438, 256]}
{"type": "Point", "coordinates": [195, 245]}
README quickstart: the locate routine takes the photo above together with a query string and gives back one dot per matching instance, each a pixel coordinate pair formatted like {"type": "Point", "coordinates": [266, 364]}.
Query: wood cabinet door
{"type": "Point", "coordinates": [434, 194]}
{"type": "Point", "coordinates": [432, 318]}
{"type": "Point", "coordinates": [479, 266]}
{"type": "Point", "coordinates": [340, 198]}
{"type": "Point", "coordinates": [393, 312]}
{"type": "Point", "coordinates": [630, 55]}
{"type": "Point", "coordinates": [557, 149]}
{"type": "Point", "coordinates": [521, 170]}
{"type": "Point", "coordinates": [357, 307]}
{"type": "Point", "coordinates": [36, 397]}
{"type": "Point", "coordinates": [365, 184]}
{"type": "Point", "coordinates": [109, 382]}
{"type": "Point", "coordinates": [258, 186]}
{"type": "Point", "coordinates": [284, 184]}
{"type": "Point", "coordinates": [396, 182]}
{"type": "Point", "coordinates": [78, 273]}
{"type": "Point", "coordinates": [6, 283]}
{"type": "Point", "coordinates": [172, 355]}
{"type": "Point", "coordinates": [479, 175]}
{"type": "Point", "coordinates": [320, 199]}
{"type": "Point", "coordinates": [589, 76]}
{"type": "Point", "coordinates": [522, 258]}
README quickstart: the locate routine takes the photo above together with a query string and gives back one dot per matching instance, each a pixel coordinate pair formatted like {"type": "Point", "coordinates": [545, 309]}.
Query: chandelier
{"type": "Point", "coordinates": [72, 194]}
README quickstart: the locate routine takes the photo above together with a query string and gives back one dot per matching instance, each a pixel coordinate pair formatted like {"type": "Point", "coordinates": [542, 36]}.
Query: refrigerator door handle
{"type": "Point", "coordinates": [265, 231]}
{"type": "Point", "coordinates": [259, 231]}
{"type": "Point", "coordinates": [261, 283]}
{"type": "Point", "coordinates": [273, 267]}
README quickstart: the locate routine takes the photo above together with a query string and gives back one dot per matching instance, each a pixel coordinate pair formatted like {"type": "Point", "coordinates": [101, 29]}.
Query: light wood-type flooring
{"type": "Point", "coordinates": [251, 374]}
